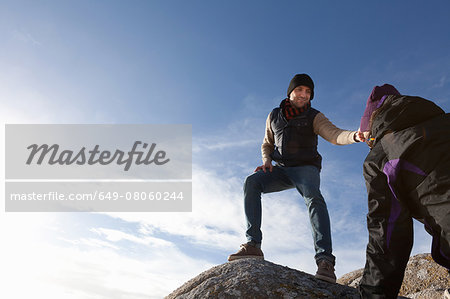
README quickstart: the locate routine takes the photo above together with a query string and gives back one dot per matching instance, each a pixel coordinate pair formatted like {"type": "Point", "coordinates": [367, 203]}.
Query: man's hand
{"type": "Point", "coordinates": [362, 136]}
{"type": "Point", "coordinates": [267, 164]}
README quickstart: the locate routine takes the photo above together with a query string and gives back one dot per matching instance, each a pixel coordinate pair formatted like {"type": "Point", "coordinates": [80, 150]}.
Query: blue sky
{"type": "Point", "coordinates": [221, 67]}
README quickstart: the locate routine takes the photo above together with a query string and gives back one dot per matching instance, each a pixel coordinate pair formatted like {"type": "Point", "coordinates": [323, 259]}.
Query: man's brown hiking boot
{"type": "Point", "coordinates": [325, 271]}
{"type": "Point", "coordinates": [247, 251]}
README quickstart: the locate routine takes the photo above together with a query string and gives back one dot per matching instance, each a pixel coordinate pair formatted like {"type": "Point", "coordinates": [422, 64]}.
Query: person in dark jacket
{"type": "Point", "coordinates": [407, 174]}
{"type": "Point", "coordinates": [290, 140]}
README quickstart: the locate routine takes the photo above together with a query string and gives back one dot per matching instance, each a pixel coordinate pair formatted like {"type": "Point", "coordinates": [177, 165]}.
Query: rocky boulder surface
{"type": "Point", "coordinates": [253, 278]}
{"type": "Point", "coordinates": [423, 278]}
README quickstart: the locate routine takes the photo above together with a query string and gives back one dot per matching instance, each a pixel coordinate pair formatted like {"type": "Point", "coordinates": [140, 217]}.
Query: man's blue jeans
{"type": "Point", "coordinates": [306, 179]}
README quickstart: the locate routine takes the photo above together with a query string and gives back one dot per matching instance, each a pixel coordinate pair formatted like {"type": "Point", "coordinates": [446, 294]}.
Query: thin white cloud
{"type": "Point", "coordinates": [441, 83]}
{"type": "Point", "coordinates": [89, 242]}
{"type": "Point", "coordinates": [25, 37]}
{"type": "Point", "coordinates": [219, 145]}
{"type": "Point", "coordinates": [114, 235]}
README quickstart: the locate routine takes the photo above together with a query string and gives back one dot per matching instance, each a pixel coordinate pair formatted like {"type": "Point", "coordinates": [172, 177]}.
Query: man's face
{"type": "Point", "coordinates": [300, 96]}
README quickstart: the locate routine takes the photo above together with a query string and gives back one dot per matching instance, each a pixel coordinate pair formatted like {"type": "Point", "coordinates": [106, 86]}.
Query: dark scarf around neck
{"type": "Point", "coordinates": [289, 111]}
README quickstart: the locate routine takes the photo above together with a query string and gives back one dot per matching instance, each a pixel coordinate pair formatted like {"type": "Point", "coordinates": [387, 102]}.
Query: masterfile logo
{"type": "Point", "coordinates": [98, 167]}
{"type": "Point", "coordinates": [68, 157]}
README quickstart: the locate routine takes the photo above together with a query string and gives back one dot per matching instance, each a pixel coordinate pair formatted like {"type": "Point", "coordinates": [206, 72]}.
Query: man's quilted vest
{"type": "Point", "coordinates": [295, 140]}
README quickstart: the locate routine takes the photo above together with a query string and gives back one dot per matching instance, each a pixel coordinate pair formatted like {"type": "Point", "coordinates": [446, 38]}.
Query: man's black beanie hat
{"type": "Point", "coordinates": [301, 79]}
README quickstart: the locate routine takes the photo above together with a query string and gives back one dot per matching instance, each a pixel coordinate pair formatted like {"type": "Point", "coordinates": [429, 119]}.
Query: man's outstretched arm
{"type": "Point", "coordinates": [328, 131]}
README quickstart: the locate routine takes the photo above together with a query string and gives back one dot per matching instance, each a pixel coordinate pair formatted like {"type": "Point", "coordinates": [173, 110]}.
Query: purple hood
{"type": "Point", "coordinates": [374, 101]}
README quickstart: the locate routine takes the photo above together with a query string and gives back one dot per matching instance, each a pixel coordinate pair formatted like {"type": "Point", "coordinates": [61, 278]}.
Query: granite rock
{"type": "Point", "coordinates": [424, 278]}
{"type": "Point", "coordinates": [254, 278]}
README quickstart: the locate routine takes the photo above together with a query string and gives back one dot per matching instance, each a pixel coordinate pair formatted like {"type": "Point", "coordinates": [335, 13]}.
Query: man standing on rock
{"type": "Point", "coordinates": [291, 141]}
{"type": "Point", "coordinates": [407, 173]}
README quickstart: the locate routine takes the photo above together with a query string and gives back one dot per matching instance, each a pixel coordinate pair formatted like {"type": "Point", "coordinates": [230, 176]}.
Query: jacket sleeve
{"type": "Point", "coordinates": [390, 235]}
{"type": "Point", "coordinates": [268, 142]}
{"type": "Point", "coordinates": [328, 131]}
